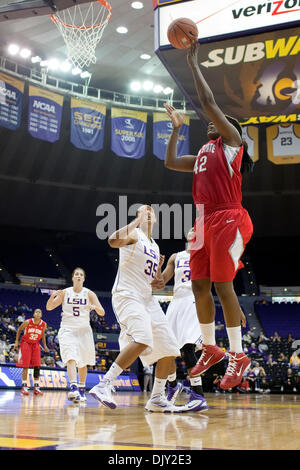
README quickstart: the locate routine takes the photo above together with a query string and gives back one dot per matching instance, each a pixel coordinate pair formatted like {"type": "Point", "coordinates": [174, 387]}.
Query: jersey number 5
{"type": "Point", "coordinates": [76, 311]}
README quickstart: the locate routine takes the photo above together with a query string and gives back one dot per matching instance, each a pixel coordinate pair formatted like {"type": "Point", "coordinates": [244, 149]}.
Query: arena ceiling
{"type": "Point", "coordinates": [118, 55]}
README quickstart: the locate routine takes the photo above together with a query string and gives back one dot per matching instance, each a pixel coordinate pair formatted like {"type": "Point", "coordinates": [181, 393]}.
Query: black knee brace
{"type": "Point", "coordinates": [36, 372]}
{"type": "Point", "coordinates": [188, 355]}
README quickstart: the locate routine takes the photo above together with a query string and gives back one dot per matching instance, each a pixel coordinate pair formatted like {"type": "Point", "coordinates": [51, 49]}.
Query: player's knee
{"type": "Point", "coordinates": [224, 289]}
{"type": "Point", "coordinates": [201, 287]}
{"type": "Point", "coordinates": [36, 372]}
{"type": "Point", "coordinates": [188, 355]}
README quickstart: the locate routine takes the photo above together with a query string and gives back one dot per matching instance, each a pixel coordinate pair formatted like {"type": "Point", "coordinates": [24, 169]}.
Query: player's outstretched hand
{"type": "Point", "coordinates": [192, 55]}
{"type": "Point", "coordinates": [176, 117]}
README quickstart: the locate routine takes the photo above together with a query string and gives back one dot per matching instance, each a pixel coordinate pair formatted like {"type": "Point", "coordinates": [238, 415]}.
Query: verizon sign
{"type": "Point", "coordinates": [226, 17]}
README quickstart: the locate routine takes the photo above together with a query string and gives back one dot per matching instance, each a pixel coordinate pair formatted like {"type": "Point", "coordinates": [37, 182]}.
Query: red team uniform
{"type": "Point", "coordinates": [227, 225]}
{"type": "Point", "coordinates": [30, 350]}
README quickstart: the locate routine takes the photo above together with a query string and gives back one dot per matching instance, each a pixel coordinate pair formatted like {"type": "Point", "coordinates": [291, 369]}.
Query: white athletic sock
{"type": "Point", "coordinates": [208, 333]}
{"type": "Point", "coordinates": [113, 372]}
{"type": "Point", "coordinates": [172, 377]}
{"type": "Point", "coordinates": [235, 339]}
{"type": "Point", "coordinates": [195, 381]}
{"type": "Point", "coordinates": [159, 386]}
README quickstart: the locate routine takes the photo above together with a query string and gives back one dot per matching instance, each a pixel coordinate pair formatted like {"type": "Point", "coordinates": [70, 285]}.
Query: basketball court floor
{"type": "Point", "coordinates": [233, 422]}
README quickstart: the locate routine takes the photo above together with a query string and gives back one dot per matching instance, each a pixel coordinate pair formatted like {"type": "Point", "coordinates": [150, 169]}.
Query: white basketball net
{"type": "Point", "coordinates": [82, 27]}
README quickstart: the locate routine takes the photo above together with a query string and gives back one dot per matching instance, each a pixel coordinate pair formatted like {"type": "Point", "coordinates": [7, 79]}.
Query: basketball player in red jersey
{"type": "Point", "coordinates": [227, 227]}
{"type": "Point", "coordinates": [30, 350]}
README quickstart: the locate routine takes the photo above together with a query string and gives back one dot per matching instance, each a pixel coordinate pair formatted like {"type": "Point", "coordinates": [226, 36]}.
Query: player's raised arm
{"type": "Point", "coordinates": [55, 300]}
{"type": "Point", "coordinates": [95, 304]}
{"type": "Point", "coordinates": [186, 162]}
{"type": "Point", "coordinates": [228, 132]}
{"type": "Point", "coordinates": [169, 270]}
{"type": "Point", "coordinates": [127, 235]}
{"type": "Point", "coordinates": [163, 278]}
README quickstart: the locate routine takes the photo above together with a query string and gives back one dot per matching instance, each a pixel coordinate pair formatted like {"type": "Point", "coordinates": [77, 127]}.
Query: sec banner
{"type": "Point", "coordinates": [128, 133]}
{"type": "Point", "coordinates": [44, 115]}
{"type": "Point", "coordinates": [162, 128]}
{"type": "Point", "coordinates": [11, 101]}
{"type": "Point", "coordinates": [87, 124]}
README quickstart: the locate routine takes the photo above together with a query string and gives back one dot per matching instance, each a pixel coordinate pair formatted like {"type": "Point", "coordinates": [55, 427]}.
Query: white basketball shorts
{"type": "Point", "coordinates": [77, 344]}
{"type": "Point", "coordinates": [143, 321]}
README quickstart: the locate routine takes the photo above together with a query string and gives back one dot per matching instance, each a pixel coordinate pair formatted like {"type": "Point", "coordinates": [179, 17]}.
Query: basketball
{"type": "Point", "coordinates": [182, 32]}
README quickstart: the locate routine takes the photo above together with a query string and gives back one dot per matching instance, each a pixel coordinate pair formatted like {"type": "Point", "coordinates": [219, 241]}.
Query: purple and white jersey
{"type": "Point", "coordinates": [76, 312]}
{"type": "Point", "coordinates": [137, 267]}
{"type": "Point", "coordinates": [182, 275]}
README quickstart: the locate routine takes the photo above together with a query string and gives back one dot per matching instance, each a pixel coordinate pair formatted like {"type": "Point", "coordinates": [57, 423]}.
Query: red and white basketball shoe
{"type": "Point", "coordinates": [37, 391]}
{"type": "Point", "coordinates": [238, 364]}
{"type": "Point", "coordinates": [210, 355]}
{"type": "Point", "coordinates": [24, 391]}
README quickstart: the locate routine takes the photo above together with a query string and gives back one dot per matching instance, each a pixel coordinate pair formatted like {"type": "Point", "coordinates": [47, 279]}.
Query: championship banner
{"type": "Point", "coordinates": [128, 132]}
{"type": "Point", "coordinates": [283, 144]}
{"type": "Point", "coordinates": [11, 101]}
{"type": "Point", "coordinates": [87, 124]}
{"type": "Point", "coordinates": [250, 135]}
{"type": "Point", "coordinates": [11, 377]}
{"type": "Point", "coordinates": [44, 114]}
{"type": "Point", "coordinates": [162, 129]}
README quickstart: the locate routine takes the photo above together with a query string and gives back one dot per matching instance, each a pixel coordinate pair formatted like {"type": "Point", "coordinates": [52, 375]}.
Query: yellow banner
{"type": "Point", "coordinates": [18, 84]}
{"type": "Point", "coordinates": [41, 93]}
{"type": "Point", "coordinates": [128, 113]}
{"type": "Point", "coordinates": [283, 144]}
{"type": "Point", "coordinates": [78, 103]}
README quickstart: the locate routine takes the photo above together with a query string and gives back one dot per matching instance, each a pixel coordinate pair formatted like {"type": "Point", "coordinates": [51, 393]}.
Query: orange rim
{"type": "Point", "coordinates": [102, 2]}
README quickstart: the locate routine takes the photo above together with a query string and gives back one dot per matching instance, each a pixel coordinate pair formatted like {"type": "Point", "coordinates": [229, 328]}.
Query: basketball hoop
{"type": "Point", "coordinates": [82, 27]}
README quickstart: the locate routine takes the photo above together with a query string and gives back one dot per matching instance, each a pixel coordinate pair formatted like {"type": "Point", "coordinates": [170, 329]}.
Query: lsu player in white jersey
{"type": "Point", "coordinates": [145, 332]}
{"type": "Point", "coordinates": [182, 317]}
{"type": "Point", "coordinates": [75, 336]}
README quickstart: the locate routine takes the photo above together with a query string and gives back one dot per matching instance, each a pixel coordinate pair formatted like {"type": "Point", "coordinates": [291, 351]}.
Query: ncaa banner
{"type": "Point", "coordinates": [162, 129]}
{"type": "Point", "coordinates": [87, 124]}
{"type": "Point", "coordinates": [283, 144]}
{"type": "Point", "coordinates": [44, 114]}
{"type": "Point", "coordinates": [11, 101]}
{"type": "Point", "coordinates": [128, 132]}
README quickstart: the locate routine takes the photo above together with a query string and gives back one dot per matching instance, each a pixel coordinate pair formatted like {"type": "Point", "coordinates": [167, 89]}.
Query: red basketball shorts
{"type": "Point", "coordinates": [226, 233]}
{"type": "Point", "coordinates": [29, 355]}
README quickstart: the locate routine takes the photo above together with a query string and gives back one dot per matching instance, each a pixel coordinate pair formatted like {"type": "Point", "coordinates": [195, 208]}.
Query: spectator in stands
{"type": "Point", "coordinates": [221, 346]}
{"type": "Point", "coordinates": [290, 338]}
{"type": "Point", "coordinates": [219, 326]}
{"type": "Point", "coordinates": [294, 360]}
{"type": "Point", "coordinates": [255, 375]}
{"type": "Point", "coordinates": [264, 385]}
{"type": "Point", "coordinates": [148, 378]}
{"type": "Point", "coordinates": [244, 386]}
{"type": "Point", "coordinates": [262, 338]}
{"type": "Point", "coordinates": [282, 358]}
{"type": "Point", "coordinates": [289, 384]}
{"type": "Point", "coordinates": [253, 350]}
{"type": "Point", "coordinates": [270, 360]}
{"type": "Point", "coordinates": [247, 337]}
{"type": "Point", "coordinates": [276, 338]}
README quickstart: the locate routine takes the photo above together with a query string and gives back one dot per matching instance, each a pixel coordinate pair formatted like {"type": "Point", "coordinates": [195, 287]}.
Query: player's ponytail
{"type": "Point", "coordinates": [247, 162]}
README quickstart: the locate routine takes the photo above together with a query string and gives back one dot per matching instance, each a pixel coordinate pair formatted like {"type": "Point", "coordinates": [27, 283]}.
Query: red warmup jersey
{"type": "Point", "coordinates": [33, 333]}
{"type": "Point", "coordinates": [217, 178]}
